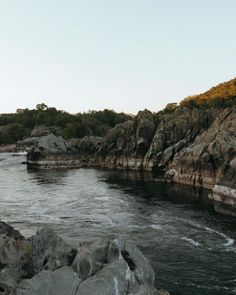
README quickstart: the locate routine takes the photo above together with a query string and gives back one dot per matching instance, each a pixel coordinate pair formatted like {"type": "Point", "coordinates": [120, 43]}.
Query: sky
{"type": "Point", "coordinates": [126, 55]}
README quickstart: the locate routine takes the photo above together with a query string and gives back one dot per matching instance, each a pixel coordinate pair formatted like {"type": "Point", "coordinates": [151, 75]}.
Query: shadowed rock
{"type": "Point", "coordinates": [104, 267]}
{"type": "Point", "coordinates": [50, 251]}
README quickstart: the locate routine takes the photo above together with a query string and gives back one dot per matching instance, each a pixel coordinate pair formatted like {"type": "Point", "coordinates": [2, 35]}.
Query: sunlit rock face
{"type": "Point", "coordinates": [210, 160]}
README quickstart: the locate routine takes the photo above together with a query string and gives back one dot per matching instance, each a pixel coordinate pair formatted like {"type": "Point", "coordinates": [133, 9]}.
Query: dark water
{"type": "Point", "coordinates": [191, 248]}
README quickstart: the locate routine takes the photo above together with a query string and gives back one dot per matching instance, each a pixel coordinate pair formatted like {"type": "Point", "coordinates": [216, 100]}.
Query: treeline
{"type": "Point", "coordinates": [220, 96]}
{"type": "Point", "coordinates": [22, 124]}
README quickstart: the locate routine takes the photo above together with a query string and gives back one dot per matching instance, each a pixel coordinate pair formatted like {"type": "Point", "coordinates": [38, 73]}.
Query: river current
{"type": "Point", "coordinates": [191, 247]}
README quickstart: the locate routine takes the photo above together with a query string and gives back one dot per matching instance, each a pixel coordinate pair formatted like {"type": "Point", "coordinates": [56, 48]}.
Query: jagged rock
{"type": "Point", "coordinates": [50, 251]}
{"type": "Point", "coordinates": [114, 267]}
{"type": "Point", "coordinates": [9, 231]}
{"type": "Point", "coordinates": [63, 281]}
{"type": "Point", "coordinates": [194, 147]}
{"type": "Point", "coordinates": [101, 267]}
{"type": "Point", "coordinates": [90, 258]}
{"type": "Point", "coordinates": [173, 132]}
{"type": "Point", "coordinates": [15, 258]}
{"type": "Point", "coordinates": [52, 144]}
{"type": "Point", "coordinates": [210, 161]}
{"type": "Point", "coordinates": [51, 151]}
{"type": "Point", "coordinates": [9, 279]}
{"type": "Point", "coordinates": [145, 126]}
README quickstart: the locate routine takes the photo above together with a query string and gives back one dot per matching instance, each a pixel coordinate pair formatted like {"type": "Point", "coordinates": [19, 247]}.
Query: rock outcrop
{"type": "Point", "coordinates": [46, 264]}
{"type": "Point", "coordinates": [195, 147]}
{"type": "Point", "coordinates": [51, 151]}
{"type": "Point", "coordinates": [210, 160]}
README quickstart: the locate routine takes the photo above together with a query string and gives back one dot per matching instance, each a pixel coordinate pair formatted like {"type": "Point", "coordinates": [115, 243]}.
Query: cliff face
{"type": "Point", "coordinates": [174, 132]}
{"type": "Point", "coordinates": [210, 160]}
{"type": "Point", "coordinates": [195, 147]}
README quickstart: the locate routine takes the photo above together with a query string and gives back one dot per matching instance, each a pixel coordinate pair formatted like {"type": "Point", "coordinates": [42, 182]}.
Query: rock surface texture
{"type": "Point", "coordinates": [195, 147]}
{"type": "Point", "coordinates": [46, 264]}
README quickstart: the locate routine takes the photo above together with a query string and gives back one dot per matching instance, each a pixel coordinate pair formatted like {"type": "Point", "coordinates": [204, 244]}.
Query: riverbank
{"type": "Point", "coordinates": [192, 147]}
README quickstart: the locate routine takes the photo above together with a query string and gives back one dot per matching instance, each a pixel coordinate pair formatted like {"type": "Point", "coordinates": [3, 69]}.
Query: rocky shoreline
{"type": "Point", "coordinates": [47, 264]}
{"type": "Point", "coordinates": [193, 147]}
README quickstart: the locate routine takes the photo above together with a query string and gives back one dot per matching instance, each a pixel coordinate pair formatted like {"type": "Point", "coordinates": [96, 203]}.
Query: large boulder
{"type": "Point", "coordinates": [15, 258]}
{"type": "Point", "coordinates": [50, 251]}
{"type": "Point", "coordinates": [107, 267]}
{"type": "Point", "coordinates": [51, 151]}
{"type": "Point", "coordinates": [63, 281]}
{"type": "Point", "coordinates": [113, 267]}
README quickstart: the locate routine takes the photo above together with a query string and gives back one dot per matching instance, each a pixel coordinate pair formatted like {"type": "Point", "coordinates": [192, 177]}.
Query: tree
{"type": "Point", "coordinates": [41, 107]}
{"type": "Point", "coordinates": [170, 107]}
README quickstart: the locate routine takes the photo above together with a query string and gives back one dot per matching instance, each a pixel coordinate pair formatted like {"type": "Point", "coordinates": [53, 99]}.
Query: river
{"type": "Point", "coordinates": [191, 247]}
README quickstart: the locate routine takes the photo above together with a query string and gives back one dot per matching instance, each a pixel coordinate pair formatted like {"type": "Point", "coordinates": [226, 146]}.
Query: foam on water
{"type": "Point", "coordinates": [191, 241]}
{"type": "Point", "coordinates": [86, 204]}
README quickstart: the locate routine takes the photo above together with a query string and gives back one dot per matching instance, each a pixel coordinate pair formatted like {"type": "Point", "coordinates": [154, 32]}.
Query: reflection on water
{"type": "Point", "coordinates": [48, 176]}
{"type": "Point", "coordinates": [191, 248]}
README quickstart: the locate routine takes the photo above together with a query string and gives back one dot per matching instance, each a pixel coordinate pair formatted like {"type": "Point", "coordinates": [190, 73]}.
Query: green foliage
{"type": "Point", "coordinates": [11, 133]}
{"type": "Point", "coordinates": [41, 107]}
{"type": "Point", "coordinates": [170, 107]}
{"type": "Point", "coordinates": [106, 123]}
{"type": "Point", "coordinates": [19, 125]}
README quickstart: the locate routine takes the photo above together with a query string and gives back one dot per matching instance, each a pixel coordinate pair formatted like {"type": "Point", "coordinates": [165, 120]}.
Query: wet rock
{"type": "Point", "coordinates": [63, 281]}
{"type": "Point", "coordinates": [9, 279]}
{"type": "Point", "coordinates": [9, 231]}
{"type": "Point", "coordinates": [113, 267]}
{"type": "Point", "coordinates": [50, 251]}
{"type": "Point", "coordinates": [90, 258]}
{"type": "Point", "coordinates": [15, 252]}
{"type": "Point", "coordinates": [101, 267]}
{"type": "Point", "coordinates": [110, 280]}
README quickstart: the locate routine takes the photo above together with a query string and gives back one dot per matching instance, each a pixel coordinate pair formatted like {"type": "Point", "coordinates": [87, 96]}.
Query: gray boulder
{"type": "Point", "coordinates": [52, 144]}
{"type": "Point", "coordinates": [91, 258]}
{"type": "Point", "coordinates": [46, 265]}
{"type": "Point", "coordinates": [50, 251]}
{"type": "Point", "coordinates": [15, 252]}
{"type": "Point", "coordinates": [113, 267]}
{"type": "Point", "coordinates": [9, 278]}
{"type": "Point", "coordinates": [63, 281]}
{"type": "Point", "coordinates": [15, 258]}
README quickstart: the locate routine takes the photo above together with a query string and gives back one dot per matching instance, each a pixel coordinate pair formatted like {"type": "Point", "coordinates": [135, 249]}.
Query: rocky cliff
{"type": "Point", "coordinates": [190, 146]}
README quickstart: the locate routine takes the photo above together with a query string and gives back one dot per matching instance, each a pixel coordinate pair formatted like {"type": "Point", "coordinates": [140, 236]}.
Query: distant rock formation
{"type": "Point", "coordinates": [46, 264]}
{"type": "Point", "coordinates": [195, 147]}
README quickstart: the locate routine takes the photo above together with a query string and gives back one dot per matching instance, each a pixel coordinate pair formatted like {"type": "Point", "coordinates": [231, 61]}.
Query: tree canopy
{"type": "Point", "coordinates": [19, 125]}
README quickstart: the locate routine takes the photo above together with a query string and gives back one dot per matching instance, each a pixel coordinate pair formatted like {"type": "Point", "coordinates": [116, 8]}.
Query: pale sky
{"type": "Point", "coordinates": [126, 55]}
